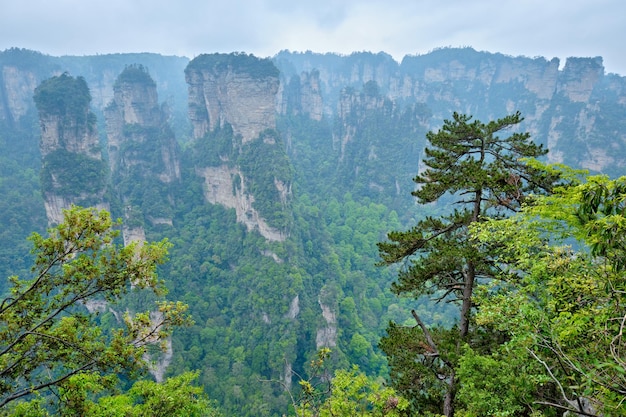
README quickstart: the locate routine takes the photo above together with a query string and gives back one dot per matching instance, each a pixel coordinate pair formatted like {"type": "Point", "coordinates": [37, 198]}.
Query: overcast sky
{"type": "Point", "coordinates": [548, 28]}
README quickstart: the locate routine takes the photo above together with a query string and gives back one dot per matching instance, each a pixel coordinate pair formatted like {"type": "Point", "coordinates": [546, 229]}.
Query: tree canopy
{"type": "Point", "coordinates": [49, 328]}
{"type": "Point", "coordinates": [559, 299]}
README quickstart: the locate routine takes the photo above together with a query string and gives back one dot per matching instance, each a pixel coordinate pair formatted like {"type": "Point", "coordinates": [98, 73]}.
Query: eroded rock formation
{"type": "Point", "coordinates": [238, 89]}
{"type": "Point", "coordinates": [142, 150]}
{"type": "Point", "coordinates": [73, 171]}
{"type": "Point", "coordinates": [236, 93]}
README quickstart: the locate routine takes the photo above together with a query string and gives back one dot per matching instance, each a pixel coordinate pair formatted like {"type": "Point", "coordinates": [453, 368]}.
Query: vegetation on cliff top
{"type": "Point", "coordinates": [257, 68]}
{"type": "Point", "coordinates": [65, 96]}
{"type": "Point", "coordinates": [134, 74]}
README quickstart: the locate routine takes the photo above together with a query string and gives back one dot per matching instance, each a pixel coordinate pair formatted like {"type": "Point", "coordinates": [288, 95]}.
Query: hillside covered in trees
{"type": "Point", "coordinates": [274, 180]}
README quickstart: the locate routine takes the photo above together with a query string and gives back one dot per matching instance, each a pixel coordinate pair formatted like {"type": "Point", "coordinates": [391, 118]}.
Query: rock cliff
{"type": "Point", "coordinates": [73, 171]}
{"type": "Point", "coordinates": [232, 107]}
{"type": "Point", "coordinates": [487, 86]}
{"type": "Point", "coordinates": [226, 186]}
{"type": "Point", "coordinates": [142, 151]}
{"type": "Point", "coordinates": [237, 89]}
{"type": "Point", "coordinates": [17, 87]}
{"type": "Point", "coordinates": [303, 96]}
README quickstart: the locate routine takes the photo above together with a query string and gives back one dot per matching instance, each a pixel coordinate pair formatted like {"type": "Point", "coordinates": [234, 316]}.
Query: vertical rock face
{"type": "Point", "coordinates": [237, 89]}
{"type": "Point", "coordinates": [134, 116]}
{"type": "Point", "coordinates": [303, 96]}
{"type": "Point", "coordinates": [142, 150]}
{"type": "Point", "coordinates": [18, 87]}
{"type": "Point", "coordinates": [326, 336]}
{"type": "Point", "coordinates": [21, 71]}
{"type": "Point", "coordinates": [580, 76]}
{"type": "Point", "coordinates": [232, 107]}
{"type": "Point", "coordinates": [73, 170]}
{"type": "Point", "coordinates": [355, 107]}
{"type": "Point", "coordinates": [66, 120]}
{"type": "Point", "coordinates": [226, 186]}
{"type": "Point", "coordinates": [311, 102]}
{"type": "Point", "coordinates": [486, 86]}
{"type": "Point", "coordinates": [318, 78]}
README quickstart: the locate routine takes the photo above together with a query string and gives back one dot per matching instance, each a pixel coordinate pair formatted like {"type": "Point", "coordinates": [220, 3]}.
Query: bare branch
{"type": "Point", "coordinates": [562, 407]}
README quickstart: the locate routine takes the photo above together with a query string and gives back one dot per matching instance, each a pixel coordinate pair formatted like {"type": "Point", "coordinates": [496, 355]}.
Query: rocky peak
{"type": "Point", "coordinates": [302, 95]}
{"type": "Point", "coordinates": [141, 146]}
{"type": "Point", "coordinates": [135, 97]}
{"type": "Point", "coordinates": [238, 89]}
{"type": "Point", "coordinates": [65, 117]}
{"type": "Point", "coordinates": [21, 71]}
{"type": "Point", "coordinates": [579, 78]}
{"type": "Point", "coordinates": [353, 107]}
{"type": "Point", "coordinates": [72, 170]}
{"type": "Point", "coordinates": [537, 75]}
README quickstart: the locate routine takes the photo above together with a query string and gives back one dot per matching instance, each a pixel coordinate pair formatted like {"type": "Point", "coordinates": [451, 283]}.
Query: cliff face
{"type": "Point", "coordinates": [131, 116]}
{"type": "Point", "coordinates": [232, 107]}
{"type": "Point", "coordinates": [303, 96]}
{"type": "Point", "coordinates": [235, 89]}
{"type": "Point", "coordinates": [17, 86]}
{"type": "Point", "coordinates": [142, 151]}
{"type": "Point", "coordinates": [73, 171]}
{"type": "Point", "coordinates": [579, 78]}
{"type": "Point", "coordinates": [486, 86]}
{"type": "Point", "coordinates": [226, 186]}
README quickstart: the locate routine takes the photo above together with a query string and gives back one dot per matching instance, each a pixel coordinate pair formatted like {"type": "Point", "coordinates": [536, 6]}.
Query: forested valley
{"type": "Point", "coordinates": [311, 235]}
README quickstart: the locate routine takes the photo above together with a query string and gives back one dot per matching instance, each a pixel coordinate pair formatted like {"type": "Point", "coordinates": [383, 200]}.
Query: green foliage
{"type": "Point", "coordinates": [568, 313]}
{"type": "Point", "coordinates": [84, 395]}
{"type": "Point", "coordinates": [243, 333]}
{"type": "Point", "coordinates": [257, 68]}
{"type": "Point", "coordinates": [415, 366]}
{"type": "Point", "coordinates": [176, 396]}
{"type": "Point", "coordinates": [25, 59]}
{"type": "Point", "coordinates": [500, 384]}
{"type": "Point", "coordinates": [216, 147]}
{"type": "Point", "coordinates": [134, 74]}
{"type": "Point", "coordinates": [264, 165]}
{"type": "Point", "coordinates": [67, 97]}
{"type": "Point", "coordinates": [46, 333]}
{"type": "Point", "coordinates": [485, 175]}
{"type": "Point", "coordinates": [354, 394]}
{"type": "Point", "coordinates": [21, 207]}
{"type": "Point", "coordinates": [73, 175]}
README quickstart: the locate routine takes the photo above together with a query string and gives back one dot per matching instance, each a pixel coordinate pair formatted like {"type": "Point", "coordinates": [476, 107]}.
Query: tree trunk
{"type": "Point", "coordinates": [466, 306]}
{"type": "Point", "coordinates": [469, 275]}
{"type": "Point", "coordinates": [448, 401]}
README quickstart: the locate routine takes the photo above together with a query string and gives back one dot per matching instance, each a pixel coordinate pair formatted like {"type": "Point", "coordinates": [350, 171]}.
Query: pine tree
{"type": "Point", "coordinates": [482, 175]}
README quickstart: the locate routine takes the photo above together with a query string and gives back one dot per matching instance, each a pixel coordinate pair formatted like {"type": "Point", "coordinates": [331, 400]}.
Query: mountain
{"type": "Point", "coordinates": [274, 179]}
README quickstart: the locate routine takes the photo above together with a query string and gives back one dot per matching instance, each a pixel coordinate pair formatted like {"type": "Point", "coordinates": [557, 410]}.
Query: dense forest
{"type": "Point", "coordinates": [332, 235]}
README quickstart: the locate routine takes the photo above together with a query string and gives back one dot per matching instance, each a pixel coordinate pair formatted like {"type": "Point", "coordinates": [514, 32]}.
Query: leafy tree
{"type": "Point", "coordinates": [560, 298]}
{"type": "Point", "coordinates": [347, 393]}
{"type": "Point", "coordinates": [48, 335]}
{"type": "Point", "coordinates": [482, 174]}
{"type": "Point", "coordinates": [352, 393]}
{"type": "Point", "coordinates": [177, 396]}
